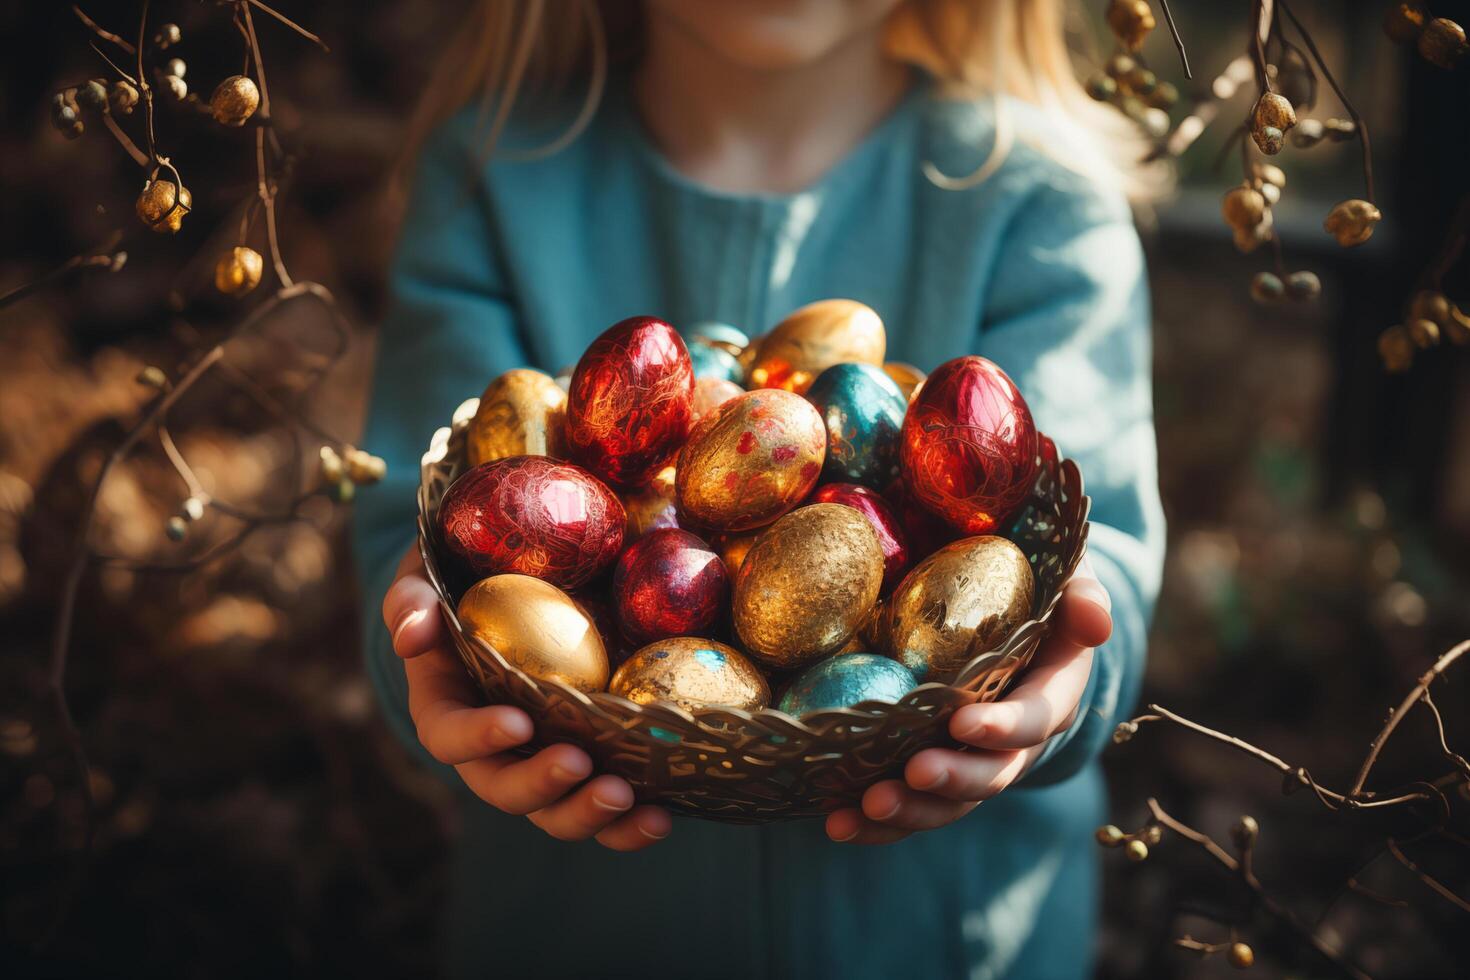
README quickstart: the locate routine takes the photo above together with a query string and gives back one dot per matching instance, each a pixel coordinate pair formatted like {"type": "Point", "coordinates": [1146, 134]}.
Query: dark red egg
{"type": "Point", "coordinates": [885, 524]}
{"type": "Point", "coordinates": [630, 402]}
{"type": "Point", "coordinates": [969, 446]}
{"type": "Point", "coordinates": [923, 532]}
{"type": "Point", "coordinates": [535, 516]}
{"type": "Point", "coordinates": [669, 583]}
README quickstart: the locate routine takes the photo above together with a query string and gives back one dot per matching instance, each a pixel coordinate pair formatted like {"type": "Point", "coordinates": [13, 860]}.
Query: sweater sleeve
{"type": "Point", "coordinates": [1068, 315]}
{"type": "Point", "coordinates": [451, 326]}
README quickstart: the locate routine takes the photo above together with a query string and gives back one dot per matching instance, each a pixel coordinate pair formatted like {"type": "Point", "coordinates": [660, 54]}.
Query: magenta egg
{"type": "Point", "coordinates": [968, 450]}
{"type": "Point", "coordinates": [532, 515]}
{"type": "Point", "coordinates": [885, 524]}
{"type": "Point", "coordinates": [630, 402]}
{"type": "Point", "coordinates": [669, 583]}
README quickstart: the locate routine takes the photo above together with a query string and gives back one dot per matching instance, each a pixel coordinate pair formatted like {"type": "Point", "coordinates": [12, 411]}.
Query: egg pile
{"type": "Point", "coordinates": [705, 521]}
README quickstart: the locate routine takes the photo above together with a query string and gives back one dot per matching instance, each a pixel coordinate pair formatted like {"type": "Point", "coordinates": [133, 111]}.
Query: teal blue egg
{"type": "Point", "coordinates": [714, 334]}
{"type": "Point", "coordinates": [712, 362]}
{"type": "Point", "coordinates": [863, 411]}
{"type": "Point", "coordinates": [844, 680]}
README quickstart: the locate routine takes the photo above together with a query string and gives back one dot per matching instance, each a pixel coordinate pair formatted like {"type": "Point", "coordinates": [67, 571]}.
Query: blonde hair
{"type": "Point", "coordinates": [509, 51]}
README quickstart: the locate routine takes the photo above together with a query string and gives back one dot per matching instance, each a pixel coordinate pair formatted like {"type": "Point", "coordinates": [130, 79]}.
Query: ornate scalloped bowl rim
{"type": "Point", "coordinates": [865, 711]}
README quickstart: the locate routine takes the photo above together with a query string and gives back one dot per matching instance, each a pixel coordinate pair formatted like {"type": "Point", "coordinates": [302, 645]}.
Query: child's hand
{"type": "Point", "coordinates": [548, 787]}
{"type": "Point", "coordinates": [942, 785]}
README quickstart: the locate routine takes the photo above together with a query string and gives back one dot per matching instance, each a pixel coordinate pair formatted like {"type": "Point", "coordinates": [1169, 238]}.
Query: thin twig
{"type": "Point", "coordinates": [1178, 40]}
{"type": "Point", "coordinates": [1424, 876]}
{"type": "Point", "coordinates": [97, 29]}
{"type": "Point", "coordinates": [125, 141]}
{"type": "Point", "coordinates": [105, 256]}
{"type": "Point", "coordinates": [1362, 127]}
{"type": "Point", "coordinates": [1410, 699]}
{"type": "Point", "coordinates": [291, 24]}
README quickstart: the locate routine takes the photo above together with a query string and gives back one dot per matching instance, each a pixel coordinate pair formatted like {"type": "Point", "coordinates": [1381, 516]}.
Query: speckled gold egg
{"type": "Point", "coordinates": [815, 337]}
{"type": "Point", "coordinates": [521, 413]}
{"type": "Point", "coordinates": [807, 584]}
{"type": "Point", "coordinates": [958, 603]}
{"type": "Point", "coordinates": [749, 461]}
{"type": "Point", "coordinates": [538, 628]}
{"type": "Point", "coordinates": [651, 507]}
{"type": "Point", "coordinates": [733, 548]}
{"type": "Point", "coordinates": [692, 673]}
{"type": "Point", "coordinates": [906, 376]}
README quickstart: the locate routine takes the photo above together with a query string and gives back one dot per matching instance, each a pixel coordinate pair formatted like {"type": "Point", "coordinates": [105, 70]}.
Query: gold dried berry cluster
{"type": "Point", "coordinates": [1439, 40]}
{"type": "Point", "coordinates": [1430, 318]}
{"type": "Point", "coordinates": [1247, 210]}
{"type": "Point", "coordinates": [1126, 82]}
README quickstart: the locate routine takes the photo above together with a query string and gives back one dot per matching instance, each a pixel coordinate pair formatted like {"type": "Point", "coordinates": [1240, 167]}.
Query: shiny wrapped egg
{"type": "Point", "coordinates": [969, 447]}
{"type": "Point", "coordinates": [863, 412]}
{"type": "Point", "coordinates": [714, 362]}
{"type": "Point", "coordinates": [669, 583]}
{"type": "Point", "coordinates": [845, 680]}
{"type": "Point", "coordinates": [885, 524]}
{"type": "Point", "coordinates": [532, 515]}
{"type": "Point", "coordinates": [715, 334]}
{"type": "Point", "coordinates": [733, 547]}
{"type": "Point", "coordinates": [923, 532]}
{"type": "Point", "coordinates": [537, 628]}
{"type": "Point", "coordinates": [711, 393]}
{"type": "Point", "coordinates": [806, 585]}
{"type": "Point", "coordinates": [631, 402]}
{"type": "Point", "coordinates": [906, 376]}
{"type": "Point", "coordinates": [750, 461]}
{"type": "Point", "coordinates": [650, 507]}
{"type": "Point", "coordinates": [815, 337]}
{"type": "Point", "coordinates": [691, 673]}
{"type": "Point", "coordinates": [960, 602]}
{"type": "Point", "coordinates": [521, 413]}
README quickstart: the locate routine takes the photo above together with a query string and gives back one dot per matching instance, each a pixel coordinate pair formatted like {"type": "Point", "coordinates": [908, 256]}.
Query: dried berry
{"type": "Point", "coordinates": [1271, 174]}
{"type": "Point", "coordinates": [1270, 192]}
{"type": "Point", "coordinates": [1457, 328]}
{"type": "Point", "coordinates": [234, 100]}
{"type": "Point", "coordinates": [1403, 22]}
{"type": "Point", "coordinates": [331, 466]}
{"type": "Point", "coordinates": [1428, 304]}
{"type": "Point", "coordinates": [1245, 831]}
{"type": "Point", "coordinates": [1250, 239]}
{"type": "Point", "coordinates": [1243, 207]}
{"type": "Point", "coordinates": [1164, 96]}
{"type": "Point", "coordinates": [1351, 222]}
{"type": "Point", "coordinates": [176, 86]}
{"type": "Point", "coordinates": [1142, 81]}
{"type": "Point", "coordinates": [238, 271]}
{"type": "Point", "coordinates": [1119, 65]}
{"type": "Point", "coordinates": [1424, 333]}
{"type": "Point", "coordinates": [1396, 349]}
{"type": "Point", "coordinates": [1307, 133]}
{"type": "Point", "coordinates": [1131, 21]}
{"type": "Point", "coordinates": [364, 467]}
{"type": "Point", "coordinates": [1267, 287]}
{"type": "Point", "coordinates": [1155, 122]}
{"type": "Point", "coordinates": [168, 35]}
{"type": "Point", "coordinates": [1270, 120]}
{"type": "Point", "coordinates": [74, 130]}
{"type": "Point", "coordinates": [1340, 130]}
{"type": "Point", "coordinates": [153, 377]}
{"type": "Point", "coordinates": [1102, 87]}
{"type": "Point", "coordinates": [1241, 956]}
{"type": "Point", "coordinates": [1442, 43]}
{"type": "Point", "coordinates": [1151, 835]}
{"type": "Point", "coordinates": [192, 509]}
{"type": "Point", "coordinates": [1136, 850]}
{"type": "Point", "coordinates": [162, 205]}
{"type": "Point", "coordinates": [93, 95]}
{"type": "Point", "coordinates": [176, 528]}
{"type": "Point", "coordinates": [1303, 287]}
{"type": "Point", "coordinates": [1109, 835]}
{"type": "Point", "coordinates": [123, 96]}
{"type": "Point", "coordinates": [175, 67]}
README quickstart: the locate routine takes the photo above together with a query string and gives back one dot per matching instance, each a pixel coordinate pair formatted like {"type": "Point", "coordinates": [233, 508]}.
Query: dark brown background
{"type": "Point", "coordinates": [254, 816]}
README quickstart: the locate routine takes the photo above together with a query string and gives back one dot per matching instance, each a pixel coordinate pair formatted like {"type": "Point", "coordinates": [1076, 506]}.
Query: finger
{"type": "Point", "coordinates": [1040, 706]}
{"type": "Point", "coordinates": [893, 804]}
{"type": "Point", "coordinates": [587, 811]}
{"type": "Point", "coordinates": [523, 786]}
{"type": "Point", "coordinates": [411, 613]}
{"type": "Point", "coordinates": [1084, 614]}
{"type": "Point", "coordinates": [644, 826]}
{"type": "Point", "coordinates": [851, 827]}
{"type": "Point", "coordinates": [451, 725]}
{"type": "Point", "coordinates": [963, 776]}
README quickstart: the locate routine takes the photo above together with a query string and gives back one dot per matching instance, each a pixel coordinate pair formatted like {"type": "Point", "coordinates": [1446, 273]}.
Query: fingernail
{"type": "Point", "coordinates": [847, 836]}
{"type": "Point", "coordinates": [408, 619]}
{"type": "Point", "coordinates": [937, 782]}
{"type": "Point", "coordinates": [651, 834]}
{"type": "Point", "coordinates": [610, 805]}
{"type": "Point", "coordinates": [566, 774]}
{"type": "Point", "coordinates": [972, 730]}
{"type": "Point", "coordinates": [888, 814]}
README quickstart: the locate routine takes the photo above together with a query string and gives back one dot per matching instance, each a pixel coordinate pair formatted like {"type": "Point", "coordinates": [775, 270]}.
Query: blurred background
{"type": "Point", "coordinates": [253, 814]}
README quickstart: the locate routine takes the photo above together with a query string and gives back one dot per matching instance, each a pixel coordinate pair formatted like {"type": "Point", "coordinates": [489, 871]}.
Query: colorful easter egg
{"type": "Point", "coordinates": [631, 402]}
{"type": "Point", "coordinates": [537, 628]}
{"type": "Point", "coordinates": [650, 507]}
{"type": "Point", "coordinates": [845, 680]}
{"type": "Point", "coordinates": [534, 516]}
{"type": "Point", "coordinates": [521, 413]}
{"type": "Point", "coordinates": [863, 412]}
{"type": "Point", "coordinates": [814, 338]}
{"type": "Point", "coordinates": [669, 583]}
{"type": "Point", "coordinates": [969, 446]}
{"type": "Point", "coordinates": [692, 673]}
{"type": "Point", "coordinates": [906, 376]}
{"type": "Point", "coordinates": [885, 524]}
{"type": "Point", "coordinates": [714, 362]}
{"type": "Point", "coordinates": [750, 461]}
{"type": "Point", "coordinates": [721, 335]}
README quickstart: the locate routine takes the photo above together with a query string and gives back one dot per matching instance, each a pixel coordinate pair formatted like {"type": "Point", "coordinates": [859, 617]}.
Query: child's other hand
{"type": "Point", "coordinates": [551, 788]}
{"type": "Point", "coordinates": [942, 785]}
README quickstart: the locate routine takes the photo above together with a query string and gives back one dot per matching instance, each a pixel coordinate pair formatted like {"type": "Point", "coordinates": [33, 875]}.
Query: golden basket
{"type": "Point", "coordinates": [755, 767]}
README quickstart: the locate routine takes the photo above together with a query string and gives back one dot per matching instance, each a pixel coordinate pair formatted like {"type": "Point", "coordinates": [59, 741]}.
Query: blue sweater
{"type": "Point", "coordinates": [525, 262]}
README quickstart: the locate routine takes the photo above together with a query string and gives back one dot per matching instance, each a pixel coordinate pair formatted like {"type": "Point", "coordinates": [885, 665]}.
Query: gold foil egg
{"type": "Point", "coordinates": [807, 585]}
{"type": "Point", "coordinates": [538, 628]}
{"type": "Point", "coordinates": [692, 673]}
{"type": "Point", "coordinates": [651, 507]}
{"type": "Point", "coordinates": [815, 337]}
{"type": "Point", "coordinates": [958, 603]}
{"type": "Point", "coordinates": [750, 460]}
{"type": "Point", "coordinates": [521, 413]}
{"type": "Point", "coordinates": [733, 548]}
{"type": "Point", "coordinates": [906, 376]}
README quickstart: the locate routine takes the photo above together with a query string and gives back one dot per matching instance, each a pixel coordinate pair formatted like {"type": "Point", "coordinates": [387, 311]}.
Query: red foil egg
{"type": "Point", "coordinates": [922, 531]}
{"type": "Point", "coordinates": [969, 447]}
{"type": "Point", "coordinates": [669, 583]}
{"type": "Point", "coordinates": [630, 403]}
{"type": "Point", "coordinates": [535, 516]}
{"type": "Point", "coordinates": [885, 524]}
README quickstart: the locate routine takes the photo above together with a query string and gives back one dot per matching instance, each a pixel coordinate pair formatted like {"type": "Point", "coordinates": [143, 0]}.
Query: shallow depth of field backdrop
{"type": "Point", "coordinates": [255, 818]}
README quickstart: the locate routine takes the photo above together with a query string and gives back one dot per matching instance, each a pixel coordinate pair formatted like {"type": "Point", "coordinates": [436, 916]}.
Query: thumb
{"type": "Point", "coordinates": [1085, 613]}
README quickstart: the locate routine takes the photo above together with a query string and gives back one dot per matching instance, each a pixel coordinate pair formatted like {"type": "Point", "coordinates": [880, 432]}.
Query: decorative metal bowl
{"type": "Point", "coordinates": [756, 767]}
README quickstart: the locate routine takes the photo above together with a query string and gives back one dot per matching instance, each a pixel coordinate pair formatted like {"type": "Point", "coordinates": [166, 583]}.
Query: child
{"type": "Point", "coordinates": [711, 160]}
